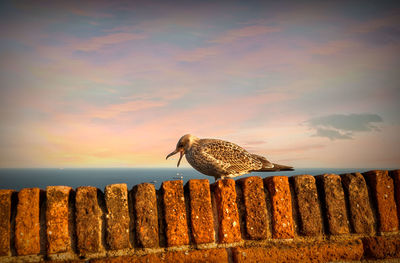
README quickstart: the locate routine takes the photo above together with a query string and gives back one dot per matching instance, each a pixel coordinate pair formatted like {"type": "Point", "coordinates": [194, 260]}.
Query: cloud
{"type": "Point", "coordinates": [375, 24]}
{"type": "Point", "coordinates": [244, 32]}
{"type": "Point", "coordinates": [97, 43]}
{"type": "Point", "coordinates": [351, 122]}
{"type": "Point", "coordinates": [340, 126]}
{"type": "Point", "coordinates": [114, 110]}
{"type": "Point", "coordinates": [331, 134]}
{"type": "Point", "coordinates": [88, 12]}
{"type": "Point", "coordinates": [197, 54]}
{"type": "Point", "coordinates": [334, 47]}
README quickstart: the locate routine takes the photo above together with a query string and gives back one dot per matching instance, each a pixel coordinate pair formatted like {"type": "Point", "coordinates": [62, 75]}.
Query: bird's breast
{"type": "Point", "coordinates": [190, 157]}
{"type": "Point", "coordinates": [196, 159]}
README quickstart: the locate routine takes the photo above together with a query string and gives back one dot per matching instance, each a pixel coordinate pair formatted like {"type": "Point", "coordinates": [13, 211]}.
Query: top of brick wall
{"type": "Point", "coordinates": [63, 223]}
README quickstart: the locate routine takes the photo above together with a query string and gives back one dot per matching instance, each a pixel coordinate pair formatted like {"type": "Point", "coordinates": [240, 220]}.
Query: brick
{"type": "Point", "coordinates": [382, 188]}
{"type": "Point", "coordinates": [117, 216]}
{"type": "Point", "coordinates": [57, 219]}
{"type": "Point", "coordinates": [5, 222]}
{"type": "Point", "coordinates": [307, 252]}
{"type": "Point", "coordinates": [207, 255]}
{"type": "Point", "coordinates": [145, 207]}
{"type": "Point", "coordinates": [203, 255]}
{"type": "Point", "coordinates": [201, 215]}
{"type": "Point", "coordinates": [59, 260]}
{"type": "Point", "coordinates": [256, 218]}
{"type": "Point", "coordinates": [396, 178]}
{"type": "Point", "coordinates": [335, 204]}
{"type": "Point", "coordinates": [308, 204]}
{"type": "Point", "coordinates": [228, 214]}
{"type": "Point", "coordinates": [361, 216]}
{"type": "Point", "coordinates": [27, 225]}
{"type": "Point", "coordinates": [175, 213]}
{"type": "Point", "coordinates": [88, 220]}
{"type": "Point", "coordinates": [149, 258]}
{"type": "Point", "coordinates": [282, 213]}
{"type": "Point", "coordinates": [382, 247]}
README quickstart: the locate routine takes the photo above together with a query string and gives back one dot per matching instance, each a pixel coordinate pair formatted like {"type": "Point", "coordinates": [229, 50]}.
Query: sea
{"type": "Point", "coordinates": [100, 177]}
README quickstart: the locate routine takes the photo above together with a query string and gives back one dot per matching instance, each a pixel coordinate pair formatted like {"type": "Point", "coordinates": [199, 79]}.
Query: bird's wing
{"type": "Point", "coordinates": [229, 157]}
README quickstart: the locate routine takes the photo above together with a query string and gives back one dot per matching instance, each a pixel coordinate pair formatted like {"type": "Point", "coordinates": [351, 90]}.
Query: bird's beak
{"type": "Point", "coordinates": [175, 152]}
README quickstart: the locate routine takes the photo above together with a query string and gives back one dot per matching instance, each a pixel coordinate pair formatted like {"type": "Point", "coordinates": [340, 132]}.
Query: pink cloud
{"type": "Point", "coordinates": [87, 12]}
{"type": "Point", "coordinates": [244, 32]}
{"type": "Point", "coordinates": [197, 54]}
{"type": "Point", "coordinates": [296, 149]}
{"type": "Point", "coordinates": [96, 43]}
{"type": "Point", "coordinates": [134, 105]}
{"type": "Point", "coordinates": [114, 110]}
{"type": "Point", "coordinates": [333, 47]}
{"type": "Point", "coordinates": [374, 24]}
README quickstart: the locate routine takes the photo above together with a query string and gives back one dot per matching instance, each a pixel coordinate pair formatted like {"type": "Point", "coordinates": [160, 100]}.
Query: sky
{"type": "Point", "coordinates": [117, 83]}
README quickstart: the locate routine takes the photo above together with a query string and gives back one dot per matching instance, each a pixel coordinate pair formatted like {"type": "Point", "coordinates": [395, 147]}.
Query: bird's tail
{"type": "Point", "coordinates": [276, 168]}
{"type": "Point", "coordinates": [271, 167]}
{"type": "Point", "coordinates": [281, 167]}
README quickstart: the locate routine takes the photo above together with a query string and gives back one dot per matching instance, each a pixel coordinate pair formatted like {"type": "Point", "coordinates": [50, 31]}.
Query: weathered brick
{"type": "Point", "coordinates": [88, 220]}
{"type": "Point", "coordinates": [27, 225]}
{"type": "Point", "coordinates": [218, 255]}
{"type": "Point", "coordinates": [307, 201]}
{"type": "Point", "coordinates": [57, 219]}
{"type": "Point", "coordinates": [145, 207]}
{"type": "Point", "coordinates": [361, 217]}
{"type": "Point", "coordinates": [335, 204]}
{"type": "Point", "coordinates": [308, 252]}
{"type": "Point", "coordinates": [256, 218]}
{"type": "Point", "coordinates": [382, 247]}
{"type": "Point", "coordinates": [5, 225]}
{"type": "Point", "coordinates": [282, 213]}
{"type": "Point", "coordinates": [175, 213]}
{"type": "Point", "coordinates": [206, 255]}
{"type": "Point", "coordinates": [117, 216]}
{"type": "Point", "coordinates": [228, 214]}
{"type": "Point", "coordinates": [396, 178]}
{"type": "Point", "coordinates": [202, 222]}
{"type": "Point", "coordinates": [383, 192]}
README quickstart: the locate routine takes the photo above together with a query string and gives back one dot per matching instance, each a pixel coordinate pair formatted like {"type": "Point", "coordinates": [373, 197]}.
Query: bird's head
{"type": "Point", "coordinates": [184, 143]}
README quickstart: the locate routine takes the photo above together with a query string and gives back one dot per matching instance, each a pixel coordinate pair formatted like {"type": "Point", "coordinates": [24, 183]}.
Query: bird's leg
{"type": "Point", "coordinates": [219, 177]}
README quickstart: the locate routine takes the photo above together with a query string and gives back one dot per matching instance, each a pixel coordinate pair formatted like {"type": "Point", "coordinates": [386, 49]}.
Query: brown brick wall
{"type": "Point", "coordinates": [5, 222]}
{"type": "Point", "coordinates": [145, 210]}
{"type": "Point", "coordinates": [88, 218]}
{"type": "Point", "coordinates": [201, 214]}
{"type": "Point", "coordinates": [228, 214]}
{"type": "Point", "coordinates": [395, 174]}
{"type": "Point", "coordinates": [281, 200]}
{"type": "Point", "coordinates": [335, 204]}
{"type": "Point", "coordinates": [117, 216]}
{"type": "Point", "coordinates": [57, 219]}
{"type": "Point", "coordinates": [308, 204]}
{"type": "Point", "coordinates": [256, 218]}
{"type": "Point", "coordinates": [360, 207]}
{"type": "Point", "coordinates": [175, 213]}
{"type": "Point", "coordinates": [306, 252]}
{"type": "Point", "coordinates": [383, 194]}
{"type": "Point", "coordinates": [248, 220]}
{"type": "Point", "coordinates": [27, 224]}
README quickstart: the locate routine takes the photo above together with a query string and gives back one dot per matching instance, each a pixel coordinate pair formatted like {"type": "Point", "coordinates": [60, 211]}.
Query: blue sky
{"type": "Point", "coordinates": [116, 83]}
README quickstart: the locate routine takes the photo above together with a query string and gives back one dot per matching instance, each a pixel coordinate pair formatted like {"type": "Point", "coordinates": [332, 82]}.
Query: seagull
{"type": "Point", "coordinates": [222, 159]}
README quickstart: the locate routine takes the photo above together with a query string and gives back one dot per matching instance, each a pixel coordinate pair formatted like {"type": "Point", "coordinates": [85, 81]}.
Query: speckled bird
{"type": "Point", "coordinates": [222, 159]}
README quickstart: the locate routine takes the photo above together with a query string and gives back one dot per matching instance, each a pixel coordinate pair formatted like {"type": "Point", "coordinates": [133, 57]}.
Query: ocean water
{"type": "Point", "coordinates": [26, 178]}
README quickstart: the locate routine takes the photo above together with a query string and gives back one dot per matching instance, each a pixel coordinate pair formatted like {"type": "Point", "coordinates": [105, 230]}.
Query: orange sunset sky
{"type": "Point", "coordinates": [117, 83]}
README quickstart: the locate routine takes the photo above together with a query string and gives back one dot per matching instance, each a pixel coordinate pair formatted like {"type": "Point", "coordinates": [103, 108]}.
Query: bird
{"type": "Point", "coordinates": [222, 159]}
